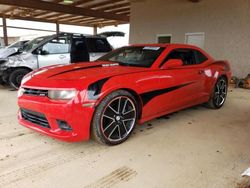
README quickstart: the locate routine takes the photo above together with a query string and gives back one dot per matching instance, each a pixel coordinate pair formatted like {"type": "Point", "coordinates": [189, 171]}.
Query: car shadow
{"type": "Point", "coordinates": [146, 127]}
{"type": "Point", "coordinates": [6, 88]}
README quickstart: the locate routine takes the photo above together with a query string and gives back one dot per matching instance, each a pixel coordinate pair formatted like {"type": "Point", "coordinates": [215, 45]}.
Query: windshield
{"type": "Point", "coordinates": [15, 45]}
{"type": "Point", "coordinates": [141, 56]}
{"type": "Point", "coordinates": [32, 44]}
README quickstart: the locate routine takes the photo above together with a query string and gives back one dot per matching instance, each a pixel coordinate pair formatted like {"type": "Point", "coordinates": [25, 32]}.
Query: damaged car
{"type": "Point", "coordinates": [11, 50]}
{"type": "Point", "coordinates": [62, 48]}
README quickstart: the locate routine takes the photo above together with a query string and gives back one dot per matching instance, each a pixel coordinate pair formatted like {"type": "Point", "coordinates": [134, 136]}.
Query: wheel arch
{"type": "Point", "coordinates": [95, 131]}
{"type": "Point", "coordinates": [215, 80]}
{"type": "Point", "coordinates": [224, 76]}
{"type": "Point", "coordinates": [137, 99]}
{"type": "Point", "coordinates": [12, 77]}
{"type": "Point", "coordinates": [132, 92]}
{"type": "Point", "coordinates": [7, 72]}
{"type": "Point", "coordinates": [11, 69]}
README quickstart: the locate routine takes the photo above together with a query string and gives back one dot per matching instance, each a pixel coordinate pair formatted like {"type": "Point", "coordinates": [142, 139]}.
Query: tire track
{"type": "Point", "coordinates": [16, 135]}
{"type": "Point", "coordinates": [122, 174]}
{"type": "Point", "coordinates": [41, 166]}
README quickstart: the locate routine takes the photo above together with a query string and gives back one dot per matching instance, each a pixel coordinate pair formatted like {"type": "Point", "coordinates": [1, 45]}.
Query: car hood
{"type": "Point", "coordinates": [84, 71]}
{"type": "Point", "coordinates": [6, 52]}
{"type": "Point", "coordinates": [22, 55]}
{"type": "Point", "coordinates": [76, 75]}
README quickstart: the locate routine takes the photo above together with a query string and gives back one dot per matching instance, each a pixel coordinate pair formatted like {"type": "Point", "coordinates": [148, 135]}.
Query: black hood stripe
{"type": "Point", "coordinates": [148, 96]}
{"type": "Point", "coordinates": [77, 69]}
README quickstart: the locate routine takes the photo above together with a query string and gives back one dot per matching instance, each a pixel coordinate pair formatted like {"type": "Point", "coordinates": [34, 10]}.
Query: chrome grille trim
{"type": "Point", "coordinates": [35, 92]}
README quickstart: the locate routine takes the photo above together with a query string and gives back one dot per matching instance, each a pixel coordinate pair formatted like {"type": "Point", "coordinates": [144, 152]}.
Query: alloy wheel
{"type": "Point", "coordinates": [220, 92]}
{"type": "Point", "coordinates": [118, 118]}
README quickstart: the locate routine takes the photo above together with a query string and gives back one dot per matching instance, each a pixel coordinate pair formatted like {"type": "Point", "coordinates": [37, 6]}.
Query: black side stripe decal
{"type": "Point", "coordinates": [77, 69]}
{"type": "Point", "coordinates": [146, 97]}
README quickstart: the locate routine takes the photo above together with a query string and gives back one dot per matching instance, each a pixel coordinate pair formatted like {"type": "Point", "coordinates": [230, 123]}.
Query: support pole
{"type": "Point", "coordinates": [95, 30]}
{"type": "Point", "coordinates": [57, 28]}
{"type": "Point", "coordinates": [5, 35]}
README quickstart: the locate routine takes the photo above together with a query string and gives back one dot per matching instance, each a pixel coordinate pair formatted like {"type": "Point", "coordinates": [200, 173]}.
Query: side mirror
{"type": "Point", "coordinates": [20, 50]}
{"type": "Point", "coordinates": [172, 63]}
{"type": "Point", "coordinates": [42, 52]}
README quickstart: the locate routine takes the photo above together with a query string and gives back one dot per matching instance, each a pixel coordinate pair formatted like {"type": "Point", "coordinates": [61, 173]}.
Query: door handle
{"type": "Point", "coordinates": [62, 56]}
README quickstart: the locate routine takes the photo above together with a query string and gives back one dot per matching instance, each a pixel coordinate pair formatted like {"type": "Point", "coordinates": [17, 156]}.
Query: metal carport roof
{"type": "Point", "coordinates": [94, 13]}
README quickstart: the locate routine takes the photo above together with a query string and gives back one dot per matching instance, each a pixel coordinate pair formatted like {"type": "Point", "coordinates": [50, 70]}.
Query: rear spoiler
{"type": "Point", "coordinates": [111, 34]}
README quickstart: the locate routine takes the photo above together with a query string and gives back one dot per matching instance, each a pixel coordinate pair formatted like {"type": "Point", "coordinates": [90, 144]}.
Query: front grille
{"type": "Point", "coordinates": [35, 117]}
{"type": "Point", "coordinates": [35, 92]}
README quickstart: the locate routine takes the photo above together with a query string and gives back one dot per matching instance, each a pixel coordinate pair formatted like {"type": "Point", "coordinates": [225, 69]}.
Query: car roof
{"type": "Point", "coordinates": [79, 35]}
{"type": "Point", "coordinates": [175, 46]}
{"type": "Point", "coordinates": [167, 45]}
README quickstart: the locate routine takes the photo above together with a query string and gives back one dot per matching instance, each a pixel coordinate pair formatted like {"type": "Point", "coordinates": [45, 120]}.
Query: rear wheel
{"type": "Point", "coordinates": [16, 77]}
{"type": "Point", "coordinates": [219, 95]}
{"type": "Point", "coordinates": [114, 118]}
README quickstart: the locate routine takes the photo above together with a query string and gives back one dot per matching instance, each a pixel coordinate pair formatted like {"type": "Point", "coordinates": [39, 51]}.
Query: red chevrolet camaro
{"type": "Point", "coordinates": [130, 85]}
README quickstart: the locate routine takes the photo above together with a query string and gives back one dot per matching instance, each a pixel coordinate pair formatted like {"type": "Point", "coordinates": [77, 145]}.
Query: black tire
{"type": "Point", "coordinates": [114, 118]}
{"type": "Point", "coordinates": [219, 94]}
{"type": "Point", "coordinates": [16, 77]}
{"type": "Point", "coordinates": [1, 81]}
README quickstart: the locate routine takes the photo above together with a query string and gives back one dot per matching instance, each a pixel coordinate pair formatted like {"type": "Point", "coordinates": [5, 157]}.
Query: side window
{"type": "Point", "coordinates": [98, 45]}
{"type": "Point", "coordinates": [78, 44]}
{"type": "Point", "coordinates": [200, 57]}
{"type": "Point", "coordinates": [186, 55]}
{"type": "Point", "coordinates": [58, 45]}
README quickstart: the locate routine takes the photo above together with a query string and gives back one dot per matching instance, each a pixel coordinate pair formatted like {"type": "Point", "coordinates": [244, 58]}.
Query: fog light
{"type": "Point", "coordinates": [63, 125]}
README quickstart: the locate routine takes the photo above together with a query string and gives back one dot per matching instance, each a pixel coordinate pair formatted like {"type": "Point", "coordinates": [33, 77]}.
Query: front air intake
{"type": "Point", "coordinates": [35, 117]}
{"type": "Point", "coordinates": [63, 125]}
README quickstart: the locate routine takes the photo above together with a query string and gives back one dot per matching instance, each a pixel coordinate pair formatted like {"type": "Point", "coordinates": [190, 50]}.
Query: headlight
{"type": "Point", "coordinates": [61, 94]}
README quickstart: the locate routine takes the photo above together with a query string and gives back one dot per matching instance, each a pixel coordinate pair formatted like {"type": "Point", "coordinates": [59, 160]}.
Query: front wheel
{"type": "Point", "coordinates": [219, 94]}
{"type": "Point", "coordinates": [1, 81]}
{"type": "Point", "coordinates": [16, 77]}
{"type": "Point", "coordinates": [114, 118]}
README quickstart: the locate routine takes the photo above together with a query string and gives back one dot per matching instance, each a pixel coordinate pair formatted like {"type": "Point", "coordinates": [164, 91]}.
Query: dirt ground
{"type": "Point", "coordinates": [196, 147]}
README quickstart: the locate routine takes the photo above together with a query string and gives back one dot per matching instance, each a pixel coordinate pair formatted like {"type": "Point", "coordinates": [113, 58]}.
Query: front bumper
{"type": "Point", "coordinates": [3, 64]}
{"type": "Point", "coordinates": [78, 117]}
{"type": "Point", "coordinates": [2, 69]}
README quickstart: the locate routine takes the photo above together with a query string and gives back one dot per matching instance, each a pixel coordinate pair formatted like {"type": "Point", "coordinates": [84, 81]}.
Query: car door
{"type": "Point", "coordinates": [55, 51]}
{"type": "Point", "coordinates": [97, 47]}
{"type": "Point", "coordinates": [184, 84]}
{"type": "Point", "coordinates": [79, 51]}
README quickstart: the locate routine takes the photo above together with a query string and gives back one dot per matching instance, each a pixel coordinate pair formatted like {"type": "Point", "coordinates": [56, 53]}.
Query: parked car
{"type": "Point", "coordinates": [10, 50]}
{"type": "Point", "coordinates": [63, 48]}
{"type": "Point", "coordinates": [130, 85]}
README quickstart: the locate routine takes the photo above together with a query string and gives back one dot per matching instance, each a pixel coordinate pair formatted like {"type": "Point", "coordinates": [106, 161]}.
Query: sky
{"type": "Point", "coordinates": [26, 34]}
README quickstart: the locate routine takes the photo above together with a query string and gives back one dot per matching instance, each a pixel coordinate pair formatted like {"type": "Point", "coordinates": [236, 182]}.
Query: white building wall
{"type": "Point", "coordinates": [226, 24]}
